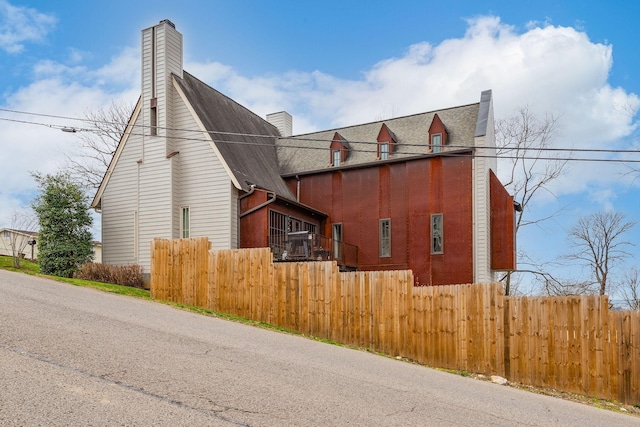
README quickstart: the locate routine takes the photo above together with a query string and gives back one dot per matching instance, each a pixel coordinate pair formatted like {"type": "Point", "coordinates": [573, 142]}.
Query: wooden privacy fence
{"type": "Point", "coordinates": [573, 344]}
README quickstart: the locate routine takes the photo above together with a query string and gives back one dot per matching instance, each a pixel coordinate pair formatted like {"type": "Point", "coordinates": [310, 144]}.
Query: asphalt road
{"type": "Point", "coordinates": [77, 356]}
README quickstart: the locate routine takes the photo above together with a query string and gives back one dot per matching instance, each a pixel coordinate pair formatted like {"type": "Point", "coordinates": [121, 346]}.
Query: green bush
{"type": "Point", "coordinates": [64, 240]}
{"type": "Point", "coordinates": [125, 275]}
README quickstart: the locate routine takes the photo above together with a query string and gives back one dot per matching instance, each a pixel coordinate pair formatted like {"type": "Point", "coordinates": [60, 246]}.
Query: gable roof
{"type": "Point", "coordinates": [245, 141]}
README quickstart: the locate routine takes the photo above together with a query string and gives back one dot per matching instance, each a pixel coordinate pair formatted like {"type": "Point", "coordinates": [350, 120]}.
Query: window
{"type": "Point", "coordinates": [186, 223]}
{"type": "Point", "coordinates": [436, 234]}
{"type": "Point", "coordinates": [277, 233]}
{"type": "Point", "coordinates": [337, 157]}
{"type": "Point", "coordinates": [337, 241]}
{"type": "Point", "coordinates": [6, 234]}
{"type": "Point", "coordinates": [153, 121]}
{"type": "Point", "coordinates": [385, 238]}
{"type": "Point", "coordinates": [277, 224]}
{"type": "Point", "coordinates": [436, 143]}
{"type": "Point", "coordinates": [153, 116]}
{"type": "Point", "coordinates": [384, 151]}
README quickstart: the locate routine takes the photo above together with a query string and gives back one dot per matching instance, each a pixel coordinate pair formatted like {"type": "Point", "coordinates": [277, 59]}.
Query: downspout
{"type": "Point", "coordinates": [261, 205]}
{"type": "Point", "coordinates": [250, 192]}
{"type": "Point", "coordinates": [252, 188]}
{"type": "Point", "coordinates": [298, 189]}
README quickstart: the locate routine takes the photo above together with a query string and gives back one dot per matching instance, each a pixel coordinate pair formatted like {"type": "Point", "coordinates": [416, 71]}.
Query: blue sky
{"type": "Point", "coordinates": [334, 63]}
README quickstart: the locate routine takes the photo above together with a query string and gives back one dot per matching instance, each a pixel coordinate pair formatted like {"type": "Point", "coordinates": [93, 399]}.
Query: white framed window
{"type": "Point", "coordinates": [185, 223]}
{"type": "Point", "coordinates": [437, 234]}
{"type": "Point", "coordinates": [436, 143]}
{"type": "Point", "coordinates": [337, 157]}
{"type": "Point", "coordinates": [385, 238]}
{"type": "Point", "coordinates": [384, 151]}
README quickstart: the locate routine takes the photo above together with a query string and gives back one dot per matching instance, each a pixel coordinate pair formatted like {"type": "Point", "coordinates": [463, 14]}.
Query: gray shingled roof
{"type": "Point", "coordinates": [251, 158]}
{"type": "Point", "coordinates": [310, 152]}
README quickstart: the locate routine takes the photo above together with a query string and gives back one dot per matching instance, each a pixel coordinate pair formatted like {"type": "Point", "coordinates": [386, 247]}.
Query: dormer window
{"type": "Point", "coordinates": [339, 150]}
{"type": "Point", "coordinates": [386, 142]}
{"type": "Point", "coordinates": [437, 135]}
{"type": "Point", "coordinates": [384, 151]}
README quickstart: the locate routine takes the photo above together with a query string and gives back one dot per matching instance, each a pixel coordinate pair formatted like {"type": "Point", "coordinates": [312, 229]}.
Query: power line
{"type": "Point", "coordinates": [502, 155]}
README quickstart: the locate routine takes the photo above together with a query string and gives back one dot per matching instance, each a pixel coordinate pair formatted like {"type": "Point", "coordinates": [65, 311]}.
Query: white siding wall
{"type": "Point", "coordinates": [483, 162]}
{"type": "Point", "coordinates": [481, 219]}
{"type": "Point", "coordinates": [283, 121]}
{"type": "Point", "coordinates": [202, 183]}
{"type": "Point", "coordinates": [154, 213]}
{"type": "Point", "coordinates": [119, 202]}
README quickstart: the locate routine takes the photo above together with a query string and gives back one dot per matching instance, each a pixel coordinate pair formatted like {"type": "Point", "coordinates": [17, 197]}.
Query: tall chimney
{"type": "Point", "coordinates": [282, 121]}
{"type": "Point", "coordinates": [161, 57]}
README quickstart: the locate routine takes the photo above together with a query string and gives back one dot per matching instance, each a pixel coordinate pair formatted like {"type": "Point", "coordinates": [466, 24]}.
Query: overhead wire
{"type": "Point", "coordinates": [302, 138]}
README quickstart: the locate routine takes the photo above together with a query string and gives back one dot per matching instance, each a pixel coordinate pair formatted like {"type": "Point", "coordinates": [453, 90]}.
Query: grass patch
{"type": "Point", "coordinates": [231, 317]}
{"type": "Point", "coordinates": [6, 263]}
{"type": "Point", "coordinates": [28, 267]}
{"type": "Point", "coordinates": [106, 287]}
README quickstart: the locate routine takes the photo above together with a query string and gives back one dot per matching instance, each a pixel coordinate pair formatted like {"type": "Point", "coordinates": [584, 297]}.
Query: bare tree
{"type": "Point", "coordinates": [552, 285]}
{"type": "Point", "coordinates": [522, 140]}
{"type": "Point", "coordinates": [20, 235]}
{"type": "Point", "coordinates": [555, 287]}
{"type": "Point", "coordinates": [630, 289]}
{"type": "Point", "coordinates": [97, 146]}
{"type": "Point", "coordinates": [598, 241]}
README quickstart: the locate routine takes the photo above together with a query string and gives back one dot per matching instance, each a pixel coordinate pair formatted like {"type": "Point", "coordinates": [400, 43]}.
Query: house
{"type": "Point", "coordinates": [25, 244]}
{"type": "Point", "coordinates": [97, 252]}
{"type": "Point", "coordinates": [18, 242]}
{"type": "Point", "coordinates": [416, 192]}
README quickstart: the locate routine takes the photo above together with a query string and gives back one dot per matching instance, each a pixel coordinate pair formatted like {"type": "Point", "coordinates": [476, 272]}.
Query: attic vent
{"type": "Point", "coordinates": [166, 21]}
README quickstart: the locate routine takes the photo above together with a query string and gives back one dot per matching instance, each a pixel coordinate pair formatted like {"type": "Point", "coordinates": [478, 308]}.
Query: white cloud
{"type": "Point", "coordinates": [122, 71]}
{"type": "Point", "coordinates": [60, 91]}
{"type": "Point", "coordinates": [19, 25]}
